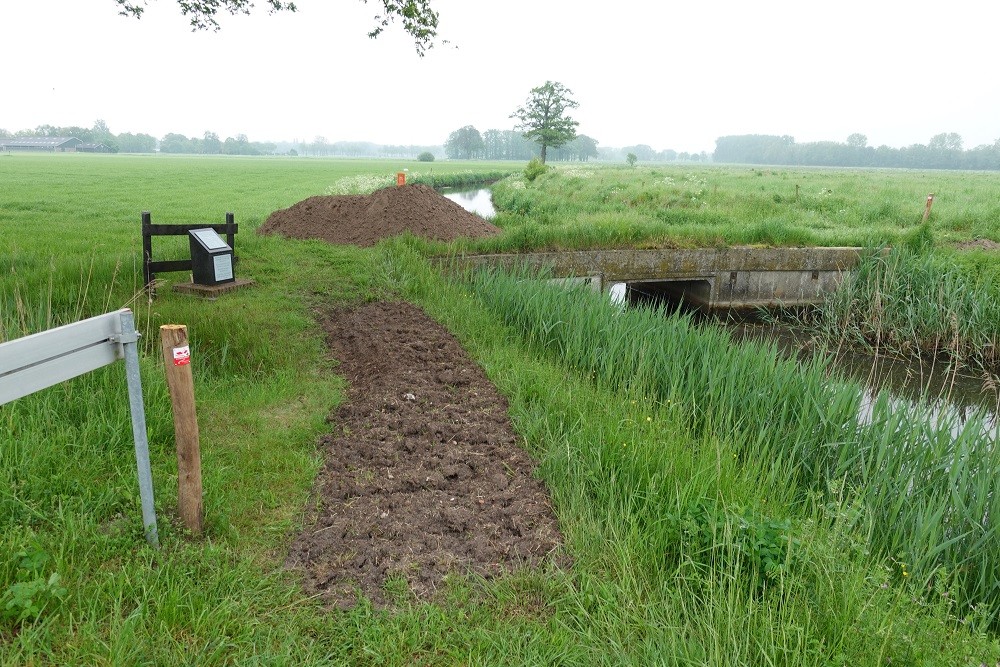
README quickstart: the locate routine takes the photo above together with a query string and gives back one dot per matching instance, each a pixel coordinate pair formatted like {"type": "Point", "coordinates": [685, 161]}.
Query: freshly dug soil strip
{"type": "Point", "coordinates": [978, 244]}
{"type": "Point", "coordinates": [365, 220]}
{"type": "Point", "coordinates": [423, 475]}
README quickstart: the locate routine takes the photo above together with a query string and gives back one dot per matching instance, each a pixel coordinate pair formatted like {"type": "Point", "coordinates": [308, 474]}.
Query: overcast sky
{"type": "Point", "coordinates": [668, 74]}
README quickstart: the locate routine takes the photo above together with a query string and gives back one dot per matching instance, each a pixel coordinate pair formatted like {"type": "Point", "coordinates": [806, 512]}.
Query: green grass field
{"type": "Point", "coordinates": [582, 206]}
{"type": "Point", "coordinates": [706, 506]}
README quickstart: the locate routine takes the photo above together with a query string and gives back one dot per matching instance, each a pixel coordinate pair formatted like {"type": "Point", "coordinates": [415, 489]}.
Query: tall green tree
{"type": "Point", "coordinates": [211, 144]}
{"type": "Point", "coordinates": [946, 141]}
{"type": "Point", "coordinates": [136, 143]}
{"type": "Point", "coordinates": [175, 143]}
{"type": "Point", "coordinates": [543, 117]}
{"type": "Point", "coordinates": [857, 140]}
{"type": "Point", "coordinates": [418, 19]}
{"type": "Point", "coordinates": [465, 143]}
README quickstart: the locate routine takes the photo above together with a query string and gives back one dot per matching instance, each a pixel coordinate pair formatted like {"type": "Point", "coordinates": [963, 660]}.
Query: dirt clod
{"type": "Point", "coordinates": [364, 220]}
{"type": "Point", "coordinates": [423, 475]}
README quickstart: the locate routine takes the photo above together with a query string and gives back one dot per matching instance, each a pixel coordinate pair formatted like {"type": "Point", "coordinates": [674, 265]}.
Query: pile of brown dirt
{"type": "Point", "coordinates": [364, 220]}
{"type": "Point", "coordinates": [423, 475]}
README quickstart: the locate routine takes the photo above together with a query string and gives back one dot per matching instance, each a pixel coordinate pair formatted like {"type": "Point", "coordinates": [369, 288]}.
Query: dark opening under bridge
{"type": "Point", "coordinates": [707, 278]}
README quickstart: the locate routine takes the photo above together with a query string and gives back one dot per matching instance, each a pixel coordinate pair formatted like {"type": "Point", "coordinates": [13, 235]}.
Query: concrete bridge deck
{"type": "Point", "coordinates": [741, 277]}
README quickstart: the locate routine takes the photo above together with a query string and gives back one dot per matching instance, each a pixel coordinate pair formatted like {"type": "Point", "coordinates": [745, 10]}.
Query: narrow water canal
{"type": "Point", "coordinates": [956, 393]}
{"type": "Point", "coordinates": [476, 199]}
{"type": "Point", "coordinates": [954, 390]}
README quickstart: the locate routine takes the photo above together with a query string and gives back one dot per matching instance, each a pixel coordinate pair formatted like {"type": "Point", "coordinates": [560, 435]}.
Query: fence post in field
{"type": "Point", "coordinates": [231, 230]}
{"type": "Point", "coordinates": [147, 249]}
{"type": "Point", "coordinates": [180, 381]}
{"type": "Point", "coordinates": [927, 209]}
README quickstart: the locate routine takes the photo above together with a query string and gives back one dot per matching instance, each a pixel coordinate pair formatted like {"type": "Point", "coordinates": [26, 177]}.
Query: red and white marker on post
{"type": "Point", "coordinates": [180, 381]}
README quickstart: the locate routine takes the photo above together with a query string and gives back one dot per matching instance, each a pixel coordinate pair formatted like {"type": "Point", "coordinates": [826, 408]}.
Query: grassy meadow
{"type": "Point", "coordinates": [720, 505]}
{"type": "Point", "coordinates": [667, 206]}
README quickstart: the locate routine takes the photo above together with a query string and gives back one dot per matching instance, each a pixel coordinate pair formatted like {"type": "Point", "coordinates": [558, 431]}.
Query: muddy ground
{"type": "Point", "coordinates": [423, 475]}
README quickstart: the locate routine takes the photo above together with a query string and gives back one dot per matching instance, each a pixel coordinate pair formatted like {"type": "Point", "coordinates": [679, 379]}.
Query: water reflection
{"type": "Point", "coordinates": [947, 394]}
{"type": "Point", "coordinates": [477, 200]}
{"type": "Point", "coordinates": [953, 394]}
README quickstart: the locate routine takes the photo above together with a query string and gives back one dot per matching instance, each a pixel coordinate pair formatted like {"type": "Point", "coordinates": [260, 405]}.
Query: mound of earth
{"type": "Point", "coordinates": [423, 475]}
{"type": "Point", "coordinates": [364, 220]}
{"type": "Point", "coordinates": [978, 244]}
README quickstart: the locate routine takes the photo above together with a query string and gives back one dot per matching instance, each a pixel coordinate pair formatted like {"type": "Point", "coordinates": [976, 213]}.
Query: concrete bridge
{"type": "Point", "coordinates": [707, 278]}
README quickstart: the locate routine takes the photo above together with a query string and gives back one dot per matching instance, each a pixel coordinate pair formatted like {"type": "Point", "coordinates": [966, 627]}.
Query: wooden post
{"type": "Point", "coordinates": [231, 231]}
{"type": "Point", "coordinates": [927, 209]}
{"type": "Point", "coordinates": [147, 250]}
{"type": "Point", "coordinates": [177, 359]}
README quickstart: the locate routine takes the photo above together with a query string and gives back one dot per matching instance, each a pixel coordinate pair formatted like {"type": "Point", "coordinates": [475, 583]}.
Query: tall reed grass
{"type": "Point", "coordinates": [927, 486]}
{"type": "Point", "coordinates": [916, 300]}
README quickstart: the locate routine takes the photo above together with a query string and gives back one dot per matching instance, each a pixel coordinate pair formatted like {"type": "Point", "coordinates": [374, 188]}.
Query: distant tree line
{"type": "Point", "coordinates": [943, 151]}
{"type": "Point", "coordinates": [211, 143]}
{"type": "Point", "coordinates": [646, 153]}
{"type": "Point", "coordinates": [127, 142]}
{"type": "Point", "coordinates": [467, 143]}
{"type": "Point", "coordinates": [361, 149]}
{"type": "Point", "coordinates": [98, 134]}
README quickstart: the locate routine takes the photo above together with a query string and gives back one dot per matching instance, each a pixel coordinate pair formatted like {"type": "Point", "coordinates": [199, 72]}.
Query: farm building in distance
{"type": "Point", "coordinates": [50, 144]}
{"type": "Point", "coordinates": [93, 148]}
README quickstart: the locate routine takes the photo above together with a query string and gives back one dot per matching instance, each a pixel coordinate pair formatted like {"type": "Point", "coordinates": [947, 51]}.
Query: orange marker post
{"type": "Point", "coordinates": [400, 179]}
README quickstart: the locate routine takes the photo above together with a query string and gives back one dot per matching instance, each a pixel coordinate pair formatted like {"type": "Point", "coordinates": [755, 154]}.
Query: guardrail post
{"type": "Point", "coordinates": [129, 338]}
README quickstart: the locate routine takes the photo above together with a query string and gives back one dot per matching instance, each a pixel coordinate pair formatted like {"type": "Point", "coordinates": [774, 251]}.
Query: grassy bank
{"type": "Point", "coordinates": [704, 516]}
{"type": "Point", "coordinates": [926, 487]}
{"type": "Point", "coordinates": [667, 206]}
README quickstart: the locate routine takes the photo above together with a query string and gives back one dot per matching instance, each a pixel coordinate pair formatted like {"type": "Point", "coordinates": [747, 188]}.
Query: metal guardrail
{"type": "Point", "coordinates": [34, 362]}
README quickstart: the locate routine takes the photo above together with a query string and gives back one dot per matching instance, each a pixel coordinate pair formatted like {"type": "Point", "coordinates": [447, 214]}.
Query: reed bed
{"type": "Point", "coordinates": [927, 486]}
{"type": "Point", "coordinates": [918, 301]}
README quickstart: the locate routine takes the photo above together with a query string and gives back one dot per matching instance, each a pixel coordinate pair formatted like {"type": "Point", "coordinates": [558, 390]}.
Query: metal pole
{"type": "Point", "coordinates": [129, 337]}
